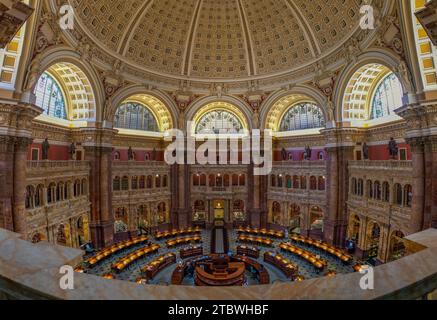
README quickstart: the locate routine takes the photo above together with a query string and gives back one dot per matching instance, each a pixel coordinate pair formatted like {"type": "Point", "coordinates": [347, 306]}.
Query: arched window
{"type": "Point", "coordinates": [77, 188]}
{"type": "Point", "coordinates": [134, 183]}
{"type": "Point", "coordinates": [125, 183]}
{"type": "Point", "coordinates": [273, 180]}
{"type": "Point", "coordinates": [218, 121]}
{"type": "Point", "coordinates": [49, 97]}
{"type": "Point", "coordinates": [116, 155]}
{"type": "Point", "coordinates": [59, 191]}
{"type": "Point", "coordinates": [157, 181]}
{"type": "Point", "coordinates": [203, 180]}
{"type": "Point", "coordinates": [313, 183]}
{"type": "Point", "coordinates": [226, 180]}
{"type": "Point", "coordinates": [398, 194]}
{"type": "Point", "coordinates": [136, 117]}
{"type": "Point", "coordinates": [387, 97]}
{"type": "Point", "coordinates": [164, 181]}
{"type": "Point", "coordinates": [296, 182]}
{"type": "Point", "coordinates": [51, 193]}
{"type": "Point", "coordinates": [211, 179]}
{"type": "Point", "coordinates": [149, 182]}
{"type": "Point", "coordinates": [303, 116]}
{"type": "Point", "coordinates": [30, 193]}
{"type": "Point", "coordinates": [360, 187]}
{"type": "Point", "coordinates": [280, 184]}
{"type": "Point", "coordinates": [116, 184]}
{"type": "Point", "coordinates": [235, 180]}
{"type": "Point", "coordinates": [303, 182]}
{"type": "Point", "coordinates": [242, 180]}
{"type": "Point", "coordinates": [142, 183]}
{"type": "Point", "coordinates": [289, 182]}
{"type": "Point", "coordinates": [377, 190]}
{"type": "Point", "coordinates": [39, 195]}
{"type": "Point", "coordinates": [196, 180]}
{"type": "Point", "coordinates": [322, 183]}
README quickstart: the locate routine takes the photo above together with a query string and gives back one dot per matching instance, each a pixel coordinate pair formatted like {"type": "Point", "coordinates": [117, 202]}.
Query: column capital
{"type": "Point", "coordinates": [341, 137]}
{"type": "Point", "coordinates": [97, 137]}
{"type": "Point", "coordinates": [16, 118]}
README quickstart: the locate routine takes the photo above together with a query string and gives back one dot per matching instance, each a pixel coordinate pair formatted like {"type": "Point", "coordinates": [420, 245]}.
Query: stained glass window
{"type": "Point", "coordinates": [302, 116]}
{"type": "Point", "coordinates": [219, 121]}
{"type": "Point", "coordinates": [387, 98]}
{"type": "Point", "coordinates": [136, 117]}
{"type": "Point", "coordinates": [49, 97]}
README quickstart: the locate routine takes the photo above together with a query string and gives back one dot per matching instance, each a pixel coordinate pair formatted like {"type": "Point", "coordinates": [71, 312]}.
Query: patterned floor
{"type": "Point", "coordinates": [164, 277]}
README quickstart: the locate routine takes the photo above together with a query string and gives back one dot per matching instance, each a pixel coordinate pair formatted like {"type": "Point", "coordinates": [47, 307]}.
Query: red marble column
{"type": "Point", "coordinates": [7, 181]}
{"type": "Point", "coordinates": [335, 223]}
{"type": "Point", "coordinates": [19, 190]}
{"type": "Point", "coordinates": [418, 202]}
{"type": "Point", "coordinates": [102, 218]}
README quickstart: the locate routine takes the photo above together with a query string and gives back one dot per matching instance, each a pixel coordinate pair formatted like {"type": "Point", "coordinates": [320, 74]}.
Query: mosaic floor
{"type": "Point", "coordinates": [132, 272]}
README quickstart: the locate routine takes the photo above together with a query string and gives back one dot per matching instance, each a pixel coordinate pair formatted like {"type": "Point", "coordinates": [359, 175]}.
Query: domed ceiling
{"type": "Point", "coordinates": [218, 39]}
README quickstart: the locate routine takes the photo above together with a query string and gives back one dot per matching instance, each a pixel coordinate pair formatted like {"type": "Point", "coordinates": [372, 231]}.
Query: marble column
{"type": "Point", "coordinates": [20, 163]}
{"type": "Point", "coordinates": [7, 178]}
{"type": "Point", "coordinates": [335, 222]}
{"type": "Point", "coordinates": [102, 219]}
{"type": "Point", "coordinates": [418, 185]}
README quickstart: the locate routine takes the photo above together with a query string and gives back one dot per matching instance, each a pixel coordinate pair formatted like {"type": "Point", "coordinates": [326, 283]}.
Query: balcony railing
{"type": "Point", "coordinates": [300, 164]}
{"type": "Point", "coordinates": [48, 165]}
{"type": "Point", "coordinates": [136, 164]}
{"type": "Point", "coordinates": [383, 164]}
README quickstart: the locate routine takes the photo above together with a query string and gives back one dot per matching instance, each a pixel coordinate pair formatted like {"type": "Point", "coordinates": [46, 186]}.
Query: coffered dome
{"type": "Point", "coordinates": [210, 39]}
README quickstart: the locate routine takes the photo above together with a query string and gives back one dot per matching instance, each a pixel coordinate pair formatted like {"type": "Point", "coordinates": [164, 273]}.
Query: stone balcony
{"type": "Point", "coordinates": [386, 165]}
{"type": "Point", "coordinates": [48, 169]}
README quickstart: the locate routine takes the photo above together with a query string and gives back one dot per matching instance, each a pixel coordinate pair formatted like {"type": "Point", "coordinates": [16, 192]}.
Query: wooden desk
{"type": "Point", "coordinates": [175, 233]}
{"type": "Point", "coordinates": [157, 265]}
{"type": "Point", "coordinates": [262, 232]}
{"type": "Point", "coordinates": [232, 275]}
{"type": "Point", "coordinates": [319, 264]}
{"type": "Point", "coordinates": [336, 252]}
{"type": "Point", "coordinates": [255, 240]}
{"type": "Point", "coordinates": [286, 266]}
{"type": "Point", "coordinates": [184, 240]}
{"type": "Point", "coordinates": [107, 252]}
{"type": "Point", "coordinates": [191, 252]}
{"type": "Point", "coordinates": [124, 262]}
{"type": "Point", "coordinates": [262, 273]}
{"type": "Point", "coordinates": [248, 251]}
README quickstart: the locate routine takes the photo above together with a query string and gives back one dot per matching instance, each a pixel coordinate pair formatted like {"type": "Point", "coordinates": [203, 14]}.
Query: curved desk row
{"type": "Point", "coordinates": [319, 264]}
{"type": "Point", "coordinates": [248, 251]}
{"type": "Point", "coordinates": [285, 265]}
{"type": "Point", "coordinates": [255, 240]}
{"type": "Point", "coordinates": [184, 240]}
{"type": "Point", "coordinates": [107, 252]}
{"type": "Point", "coordinates": [191, 251]}
{"type": "Point", "coordinates": [336, 252]}
{"type": "Point", "coordinates": [124, 262]}
{"type": "Point", "coordinates": [176, 233]}
{"type": "Point", "coordinates": [262, 232]}
{"type": "Point", "coordinates": [154, 267]}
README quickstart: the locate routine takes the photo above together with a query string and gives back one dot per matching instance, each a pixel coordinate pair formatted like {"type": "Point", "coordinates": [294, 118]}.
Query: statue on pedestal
{"type": "Point", "coordinates": [130, 154]}
{"type": "Point", "coordinates": [365, 151]}
{"type": "Point", "coordinates": [307, 153]}
{"type": "Point", "coordinates": [45, 149]}
{"type": "Point", "coordinates": [284, 154]}
{"type": "Point", "coordinates": [393, 149]}
{"type": "Point", "coordinates": [72, 150]}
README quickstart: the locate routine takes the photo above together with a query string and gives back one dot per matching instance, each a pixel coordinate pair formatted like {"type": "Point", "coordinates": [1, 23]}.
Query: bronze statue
{"type": "Point", "coordinates": [45, 149]}
{"type": "Point", "coordinates": [284, 154]}
{"type": "Point", "coordinates": [72, 150]}
{"type": "Point", "coordinates": [393, 148]}
{"type": "Point", "coordinates": [130, 154]}
{"type": "Point", "coordinates": [365, 151]}
{"type": "Point", "coordinates": [307, 153]}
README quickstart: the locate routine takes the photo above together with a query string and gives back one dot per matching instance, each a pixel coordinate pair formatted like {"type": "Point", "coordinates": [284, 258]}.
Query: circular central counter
{"type": "Point", "coordinates": [219, 271]}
